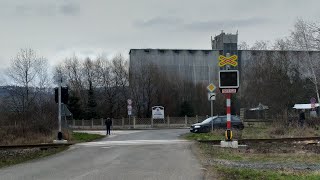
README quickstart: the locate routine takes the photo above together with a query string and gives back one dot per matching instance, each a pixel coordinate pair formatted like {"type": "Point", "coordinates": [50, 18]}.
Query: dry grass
{"type": "Point", "coordinates": [13, 135]}
{"type": "Point", "coordinates": [278, 130]}
{"type": "Point", "coordinates": [272, 131]}
{"type": "Point", "coordinates": [19, 156]}
{"type": "Point", "coordinates": [206, 152]}
{"type": "Point", "coordinates": [265, 153]}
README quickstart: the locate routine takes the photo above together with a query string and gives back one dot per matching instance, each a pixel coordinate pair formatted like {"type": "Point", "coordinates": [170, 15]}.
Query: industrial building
{"type": "Point", "coordinates": [201, 66]}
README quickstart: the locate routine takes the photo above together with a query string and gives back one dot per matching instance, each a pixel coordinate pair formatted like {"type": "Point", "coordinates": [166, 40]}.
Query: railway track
{"type": "Point", "coordinates": [29, 146]}
{"type": "Point", "coordinates": [276, 140]}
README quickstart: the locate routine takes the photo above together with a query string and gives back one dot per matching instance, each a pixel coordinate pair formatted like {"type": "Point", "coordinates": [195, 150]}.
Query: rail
{"type": "Point", "coordinates": [246, 141]}
{"type": "Point", "coordinates": [28, 146]}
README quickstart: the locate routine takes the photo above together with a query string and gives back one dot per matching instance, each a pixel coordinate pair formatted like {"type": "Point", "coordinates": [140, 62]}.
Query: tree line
{"type": "Point", "coordinates": [99, 87]}
{"type": "Point", "coordinates": [286, 74]}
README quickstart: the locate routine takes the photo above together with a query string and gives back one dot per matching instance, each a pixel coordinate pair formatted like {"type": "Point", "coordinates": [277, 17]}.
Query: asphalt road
{"type": "Point", "coordinates": [132, 155]}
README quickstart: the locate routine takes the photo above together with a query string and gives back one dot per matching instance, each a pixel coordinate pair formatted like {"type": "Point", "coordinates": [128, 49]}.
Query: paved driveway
{"type": "Point", "coordinates": [132, 155]}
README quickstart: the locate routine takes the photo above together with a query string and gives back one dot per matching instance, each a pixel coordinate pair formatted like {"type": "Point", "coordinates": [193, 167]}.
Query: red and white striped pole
{"type": "Point", "coordinates": [228, 133]}
{"type": "Point", "coordinates": [228, 97]}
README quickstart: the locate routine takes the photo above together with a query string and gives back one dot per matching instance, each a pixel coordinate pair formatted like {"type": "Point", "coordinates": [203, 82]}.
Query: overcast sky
{"type": "Point", "coordinates": [60, 28]}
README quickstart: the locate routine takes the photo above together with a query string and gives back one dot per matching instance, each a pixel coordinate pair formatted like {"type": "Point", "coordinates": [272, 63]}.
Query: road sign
{"type": "Point", "coordinates": [129, 113]}
{"type": "Point", "coordinates": [211, 87]}
{"type": "Point", "coordinates": [129, 108]}
{"type": "Point", "coordinates": [157, 112]}
{"type": "Point", "coordinates": [232, 60]}
{"type": "Point", "coordinates": [211, 96]}
{"type": "Point", "coordinates": [129, 101]}
{"type": "Point", "coordinates": [229, 91]}
{"type": "Point", "coordinates": [313, 103]}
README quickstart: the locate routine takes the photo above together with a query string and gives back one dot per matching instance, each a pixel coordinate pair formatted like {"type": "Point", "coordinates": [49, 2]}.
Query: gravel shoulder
{"type": "Point", "coordinates": [219, 164]}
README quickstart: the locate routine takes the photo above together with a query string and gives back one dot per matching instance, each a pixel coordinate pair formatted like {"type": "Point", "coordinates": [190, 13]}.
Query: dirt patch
{"type": "Point", "coordinates": [15, 156]}
{"type": "Point", "coordinates": [15, 135]}
{"type": "Point", "coordinates": [276, 148]}
{"type": "Point", "coordinates": [209, 172]}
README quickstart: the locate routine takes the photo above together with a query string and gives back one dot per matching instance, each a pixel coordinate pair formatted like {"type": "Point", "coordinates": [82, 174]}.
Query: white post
{"type": "Point", "coordinates": [151, 122]}
{"type": "Point", "coordinates": [211, 108]}
{"type": "Point", "coordinates": [212, 126]}
{"type": "Point", "coordinates": [129, 122]}
{"type": "Point", "coordinates": [134, 122]}
{"type": "Point", "coordinates": [186, 120]}
{"type": "Point", "coordinates": [91, 123]}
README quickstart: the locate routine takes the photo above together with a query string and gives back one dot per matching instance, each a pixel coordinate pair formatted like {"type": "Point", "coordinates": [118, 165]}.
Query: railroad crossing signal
{"type": "Point", "coordinates": [64, 95]}
{"type": "Point", "coordinates": [232, 60]}
{"type": "Point", "coordinates": [228, 79]}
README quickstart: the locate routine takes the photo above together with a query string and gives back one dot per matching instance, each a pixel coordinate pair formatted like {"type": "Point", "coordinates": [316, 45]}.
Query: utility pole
{"type": "Point", "coordinates": [211, 108]}
{"type": "Point", "coordinates": [59, 104]}
{"type": "Point", "coordinates": [58, 96]}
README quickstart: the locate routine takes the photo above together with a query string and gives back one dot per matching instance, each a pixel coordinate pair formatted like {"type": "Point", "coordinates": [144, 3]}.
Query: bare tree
{"type": "Point", "coordinates": [305, 36]}
{"type": "Point", "coordinates": [243, 46]}
{"type": "Point", "coordinates": [119, 70]}
{"type": "Point", "coordinates": [263, 74]}
{"type": "Point", "coordinates": [28, 73]}
{"type": "Point", "coordinates": [89, 73]}
{"type": "Point", "coordinates": [261, 45]}
{"type": "Point", "coordinates": [72, 69]}
{"type": "Point", "coordinates": [282, 44]}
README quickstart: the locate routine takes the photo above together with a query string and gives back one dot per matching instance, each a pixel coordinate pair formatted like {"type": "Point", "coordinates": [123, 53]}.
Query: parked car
{"type": "Point", "coordinates": [217, 122]}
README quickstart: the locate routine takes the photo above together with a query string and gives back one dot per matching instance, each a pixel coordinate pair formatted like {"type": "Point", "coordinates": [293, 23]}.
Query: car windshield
{"type": "Point", "coordinates": [209, 119]}
{"type": "Point", "coordinates": [235, 118]}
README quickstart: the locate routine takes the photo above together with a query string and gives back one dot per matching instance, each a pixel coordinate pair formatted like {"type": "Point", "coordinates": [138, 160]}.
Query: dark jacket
{"type": "Point", "coordinates": [302, 116]}
{"type": "Point", "coordinates": [108, 122]}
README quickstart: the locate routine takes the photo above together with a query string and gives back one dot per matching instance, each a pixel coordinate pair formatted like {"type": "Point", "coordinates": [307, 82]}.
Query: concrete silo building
{"type": "Point", "coordinates": [194, 65]}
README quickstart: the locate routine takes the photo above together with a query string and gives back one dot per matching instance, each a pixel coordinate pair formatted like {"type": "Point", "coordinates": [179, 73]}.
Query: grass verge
{"type": "Point", "coordinates": [258, 153]}
{"type": "Point", "coordinates": [203, 136]}
{"type": "Point", "coordinates": [84, 137]}
{"type": "Point", "coordinates": [257, 133]}
{"type": "Point", "coordinates": [16, 156]}
{"type": "Point", "coordinates": [248, 174]}
{"type": "Point", "coordinates": [265, 153]}
{"type": "Point", "coordinates": [12, 157]}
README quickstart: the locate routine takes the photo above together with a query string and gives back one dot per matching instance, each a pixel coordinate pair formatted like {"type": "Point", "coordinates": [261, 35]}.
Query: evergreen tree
{"type": "Point", "coordinates": [186, 109]}
{"type": "Point", "coordinates": [74, 107]}
{"type": "Point", "coordinates": [91, 111]}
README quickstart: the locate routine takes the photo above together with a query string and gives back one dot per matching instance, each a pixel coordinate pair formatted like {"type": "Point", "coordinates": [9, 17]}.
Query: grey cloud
{"type": "Point", "coordinates": [159, 21]}
{"type": "Point", "coordinates": [70, 8]}
{"type": "Point", "coordinates": [47, 9]}
{"type": "Point", "coordinates": [209, 25]}
{"type": "Point", "coordinates": [178, 23]}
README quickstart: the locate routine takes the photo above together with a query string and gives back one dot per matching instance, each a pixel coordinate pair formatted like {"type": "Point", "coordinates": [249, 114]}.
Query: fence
{"type": "Point", "coordinates": [136, 123]}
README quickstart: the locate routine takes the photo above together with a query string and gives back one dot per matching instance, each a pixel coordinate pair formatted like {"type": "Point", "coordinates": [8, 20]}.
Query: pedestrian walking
{"type": "Point", "coordinates": [302, 118]}
{"type": "Point", "coordinates": [108, 123]}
